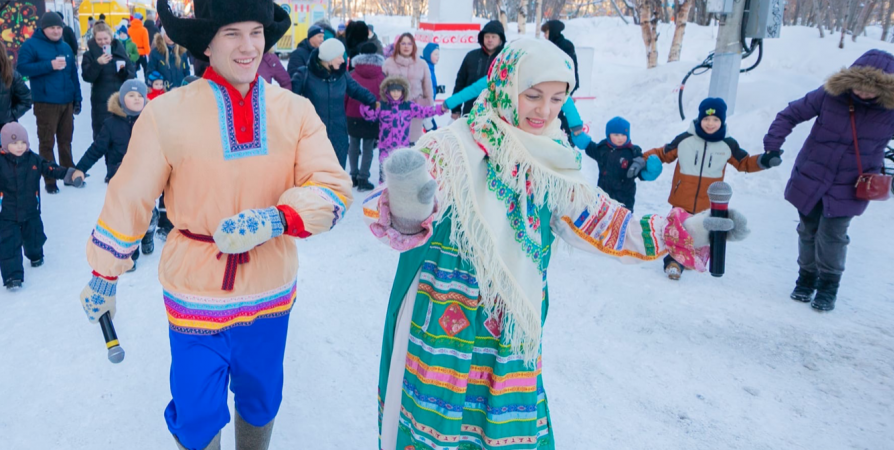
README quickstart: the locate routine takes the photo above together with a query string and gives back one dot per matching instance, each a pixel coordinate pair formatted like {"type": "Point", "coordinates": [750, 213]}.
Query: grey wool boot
{"type": "Point", "coordinates": [213, 445]}
{"type": "Point", "coordinates": [250, 437]}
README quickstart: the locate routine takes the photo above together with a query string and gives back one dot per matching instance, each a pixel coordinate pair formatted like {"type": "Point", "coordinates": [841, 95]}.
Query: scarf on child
{"type": "Point", "coordinates": [494, 179]}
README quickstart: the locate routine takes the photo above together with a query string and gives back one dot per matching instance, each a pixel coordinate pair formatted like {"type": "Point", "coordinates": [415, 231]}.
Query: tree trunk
{"type": "Point", "coordinates": [864, 17]}
{"type": "Point", "coordinates": [844, 24]}
{"type": "Point", "coordinates": [681, 15]}
{"type": "Point", "coordinates": [522, 20]}
{"type": "Point", "coordinates": [648, 20]}
{"type": "Point", "coordinates": [886, 25]}
{"type": "Point", "coordinates": [538, 17]}
{"type": "Point", "coordinates": [821, 16]}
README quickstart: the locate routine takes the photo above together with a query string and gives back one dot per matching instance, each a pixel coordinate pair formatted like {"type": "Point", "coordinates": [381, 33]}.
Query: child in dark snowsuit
{"type": "Point", "coordinates": [20, 225]}
{"type": "Point", "coordinates": [620, 162]}
{"type": "Point", "coordinates": [112, 142]}
{"type": "Point", "coordinates": [394, 116]}
{"type": "Point", "coordinates": [702, 154]}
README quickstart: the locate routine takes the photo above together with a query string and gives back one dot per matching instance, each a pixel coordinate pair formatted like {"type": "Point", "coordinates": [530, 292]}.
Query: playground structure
{"type": "Point", "coordinates": [304, 13]}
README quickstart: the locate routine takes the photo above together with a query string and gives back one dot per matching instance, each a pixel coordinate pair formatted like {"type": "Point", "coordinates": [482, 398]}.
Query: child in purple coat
{"type": "Point", "coordinates": [394, 117]}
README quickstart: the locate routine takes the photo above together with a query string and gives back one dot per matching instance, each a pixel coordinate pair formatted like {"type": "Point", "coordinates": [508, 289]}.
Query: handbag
{"type": "Point", "coordinates": [870, 186]}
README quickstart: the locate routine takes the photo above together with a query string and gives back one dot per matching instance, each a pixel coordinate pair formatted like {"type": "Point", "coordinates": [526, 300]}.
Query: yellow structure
{"type": "Point", "coordinates": [303, 13]}
{"type": "Point", "coordinates": [115, 10]}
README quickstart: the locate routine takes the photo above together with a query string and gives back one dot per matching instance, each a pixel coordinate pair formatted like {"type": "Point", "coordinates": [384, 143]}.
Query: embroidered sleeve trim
{"type": "Point", "coordinates": [334, 198]}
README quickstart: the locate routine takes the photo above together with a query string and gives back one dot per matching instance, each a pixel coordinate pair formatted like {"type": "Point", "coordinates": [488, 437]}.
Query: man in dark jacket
{"type": "Point", "coordinates": [492, 38]}
{"type": "Point", "coordinates": [552, 30]}
{"type": "Point", "coordinates": [324, 81]}
{"type": "Point", "coordinates": [15, 99]}
{"type": "Point", "coordinates": [68, 35]}
{"type": "Point", "coordinates": [301, 55]}
{"type": "Point", "coordinates": [50, 65]}
{"type": "Point", "coordinates": [374, 38]}
{"type": "Point", "coordinates": [106, 74]}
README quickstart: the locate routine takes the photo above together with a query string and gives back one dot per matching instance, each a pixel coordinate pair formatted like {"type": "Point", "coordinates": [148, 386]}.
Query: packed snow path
{"type": "Point", "coordinates": [631, 359]}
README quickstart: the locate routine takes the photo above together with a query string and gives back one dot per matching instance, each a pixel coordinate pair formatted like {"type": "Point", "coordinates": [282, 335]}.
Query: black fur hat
{"type": "Point", "coordinates": [196, 34]}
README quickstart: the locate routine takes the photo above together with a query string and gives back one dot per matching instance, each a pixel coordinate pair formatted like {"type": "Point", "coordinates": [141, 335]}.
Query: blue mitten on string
{"type": "Point", "coordinates": [581, 140]}
{"type": "Point", "coordinates": [653, 169]}
{"type": "Point", "coordinates": [98, 297]}
{"type": "Point", "coordinates": [247, 230]}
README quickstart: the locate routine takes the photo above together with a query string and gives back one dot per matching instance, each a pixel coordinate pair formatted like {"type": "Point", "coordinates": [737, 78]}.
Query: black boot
{"type": "Point", "coordinates": [355, 181]}
{"type": "Point", "coordinates": [826, 292]}
{"type": "Point", "coordinates": [363, 185]}
{"type": "Point", "coordinates": [14, 285]}
{"type": "Point", "coordinates": [147, 246]}
{"type": "Point", "coordinates": [37, 263]}
{"type": "Point", "coordinates": [805, 286]}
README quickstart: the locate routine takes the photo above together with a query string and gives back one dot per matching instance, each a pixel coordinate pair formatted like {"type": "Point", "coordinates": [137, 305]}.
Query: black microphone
{"type": "Point", "coordinates": [719, 193]}
{"type": "Point", "coordinates": [116, 353]}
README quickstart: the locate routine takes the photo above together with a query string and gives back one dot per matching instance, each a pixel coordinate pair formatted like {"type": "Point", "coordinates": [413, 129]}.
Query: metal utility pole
{"type": "Point", "coordinates": [728, 57]}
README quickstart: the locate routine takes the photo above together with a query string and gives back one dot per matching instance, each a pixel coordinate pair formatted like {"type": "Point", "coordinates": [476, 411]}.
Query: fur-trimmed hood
{"type": "Point", "coordinates": [368, 60]}
{"type": "Point", "coordinates": [872, 72]}
{"type": "Point", "coordinates": [114, 105]}
{"type": "Point", "coordinates": [393, 79]}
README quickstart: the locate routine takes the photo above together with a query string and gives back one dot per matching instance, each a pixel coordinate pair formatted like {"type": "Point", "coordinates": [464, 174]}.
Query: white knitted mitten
{"type": "Point", "coordinates": [411, 190]}
{"type": "Point", "coordinates": [98, 298]}
{"type": "Point", "coordinates": [247, 230]}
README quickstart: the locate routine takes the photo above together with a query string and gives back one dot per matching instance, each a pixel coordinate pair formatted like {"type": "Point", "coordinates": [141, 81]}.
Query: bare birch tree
{"type": "Point", "coordinates": [681, 16]}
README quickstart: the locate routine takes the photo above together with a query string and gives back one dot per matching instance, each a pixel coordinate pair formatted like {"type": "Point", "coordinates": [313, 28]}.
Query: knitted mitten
{"type": "Point", "coordinates": [702, 224]}
{"type": "Point", "coordinates": [247, 230]}
{"type": "Point", "coordinates": [653, 169]}
{"type": "Point", "coordinates": [581, 140]}
{"type": "Point", "coordinates": [98, 297]}
{"type": "Point", "coordinates": [411, 190]}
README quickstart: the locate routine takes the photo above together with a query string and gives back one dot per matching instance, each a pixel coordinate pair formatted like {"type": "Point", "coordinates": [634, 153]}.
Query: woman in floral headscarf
{"type": "Point", "coordinates": [475, 208]}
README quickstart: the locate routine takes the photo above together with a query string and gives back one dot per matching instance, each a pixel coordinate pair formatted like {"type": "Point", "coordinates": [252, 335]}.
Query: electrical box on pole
{"type": "Point", "coordinates": [764, 20]}
{"type": "Point", "coordinates": [720, 6]}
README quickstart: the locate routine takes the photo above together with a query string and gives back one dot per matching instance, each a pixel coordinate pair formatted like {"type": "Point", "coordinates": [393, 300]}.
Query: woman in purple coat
{"type": "Point", "coordinates": [271, 69]}
{"type": "Point", "coordinates": [825, 172]}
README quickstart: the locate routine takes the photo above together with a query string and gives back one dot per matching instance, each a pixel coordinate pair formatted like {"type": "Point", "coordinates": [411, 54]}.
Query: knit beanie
{"type": "Point", "coordinates": [331, 49]}
{"type": "Point", "coordinates": [711, 107]}
{"type": "Point", "coordinates": [138, 16]}
{"type": "Point", "coordinates": [314, 30]}
{"type": "Point", "coordinates": [132, 86]}
{"type": "Point", "coordinates": [155, 75]}
{"type": "Point", "coordinates": [617, 125]}
{"type": "Point", "coordinates": [51, 19]}
{"type": "Point", "coordinates": [123, 30]}
{"type": "Point", "coordinates": [12, 132]}
{"type": "Point", "coordinates": [368, 48]}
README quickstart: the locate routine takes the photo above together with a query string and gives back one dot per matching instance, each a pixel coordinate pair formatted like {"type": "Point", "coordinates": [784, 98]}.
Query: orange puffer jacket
{"type": "Point", "coordinates": [700, 163]}
{"type": "Point", "coordinates": [140, 36]}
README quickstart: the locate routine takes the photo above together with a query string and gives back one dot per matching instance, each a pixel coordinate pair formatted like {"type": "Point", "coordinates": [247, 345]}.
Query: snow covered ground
{"type": "Point", "coordinates": [631, 360]}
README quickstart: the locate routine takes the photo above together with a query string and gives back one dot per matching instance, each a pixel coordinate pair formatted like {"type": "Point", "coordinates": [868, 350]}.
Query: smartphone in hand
{"type": "Point", "coordinates": [107, 49]}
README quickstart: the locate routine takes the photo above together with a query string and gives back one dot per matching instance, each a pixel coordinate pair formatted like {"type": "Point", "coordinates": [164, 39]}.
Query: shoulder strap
{"type": "Point", "coordinates": [854, 128]}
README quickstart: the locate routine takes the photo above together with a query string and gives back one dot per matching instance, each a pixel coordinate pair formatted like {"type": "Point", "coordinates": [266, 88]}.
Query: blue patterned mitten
{"type": "Point", "coordinates": [248, 229]}
{"type": "Point", "coordinates": [98, 298]}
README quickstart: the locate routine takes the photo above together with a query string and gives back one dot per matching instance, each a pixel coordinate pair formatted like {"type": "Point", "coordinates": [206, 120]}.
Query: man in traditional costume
{"type": "Point", "coordinates": [244, 166]}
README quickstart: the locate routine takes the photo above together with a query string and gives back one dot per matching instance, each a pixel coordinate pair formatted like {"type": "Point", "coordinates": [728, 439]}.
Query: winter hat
{"type": "Point", "coordinates": [12, 132]}
{"type": "Point", "coordinates": [196, 33]}
{"type": "Point", "coordinates": [314, 30]}
{"type": "Point", "coordinates": [331, 49]}
{"type": "Point", "coordinates": [395, 82]}
{"type": "Point", "coordinates": [189, 79]}
{"type": "Point", "coordinates": [711, 106]}
{"type": "Point", "coordinates": [51, 19]}
{"type": "Point", "coordinates": [368, 48]}
{"type": "Point", "coordinates": [617, 125]}
{"type": "Point", "coordinates": [138, 16]}
{"type": "Point", "coordinates": [341, 27]}
{"type": "Point", "coordinates": [132, 86]}
{"type": "Point", "coordinates": [372, 29]}
{"type": "Point", "coordinates": [155, 75]}
{"type": "Point", "coordinates": [123, 30]}
{"type": "Point", "coordinates": [428, 50]}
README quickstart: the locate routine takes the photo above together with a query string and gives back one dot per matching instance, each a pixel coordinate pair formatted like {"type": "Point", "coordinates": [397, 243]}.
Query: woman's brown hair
{"type": "Point", "coordinates": [102, 27]}
{"type": "Point", "coordinates": [397, 46]}
{"type": "Point", "coordinates": [6, 70]}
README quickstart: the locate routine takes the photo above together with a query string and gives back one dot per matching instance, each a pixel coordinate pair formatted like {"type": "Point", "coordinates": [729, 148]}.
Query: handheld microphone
{"type": "Point", "coordinates": [719, 193]}
{"type": "Point", "coordinates": [116, 353]}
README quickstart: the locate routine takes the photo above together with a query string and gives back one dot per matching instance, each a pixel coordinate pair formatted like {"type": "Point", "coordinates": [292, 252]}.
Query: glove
{"type": "Point", "coordinates": [98, 297]}
{"type": "Point", "coordinates": [770, 159]}
{"type": "Point", "coordinates": [581, 140]}
{"type": "Point", "coordinates": [70, 181]}
{"type": "Point", "coordinates": [702, 224]}
{"type": "Point", "coordinates": [636, 167]}
{"type": "Point", "coordinates": [248, 229]}
{"type": "Point", "coordinates": [653, 169]}
{"type": "Point", "coordinates": [77, 108]}
{"type": "Point", "coordinates": [411, 190]}
{"type": "Point", "coordinates": [453, 102]}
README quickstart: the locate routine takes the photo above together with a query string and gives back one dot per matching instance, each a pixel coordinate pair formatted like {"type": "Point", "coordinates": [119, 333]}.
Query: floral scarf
{"type": "Point", "coordinates": [494, 180]}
